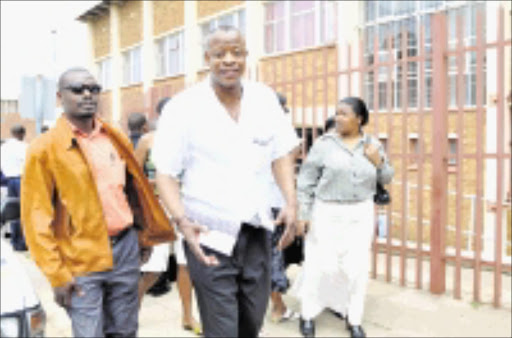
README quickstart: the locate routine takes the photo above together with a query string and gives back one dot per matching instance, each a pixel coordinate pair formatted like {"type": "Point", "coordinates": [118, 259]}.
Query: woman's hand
{"type": "Point", "coordinates": [302, 226]}
{"type": "Point", "coordinates": [372, 153]}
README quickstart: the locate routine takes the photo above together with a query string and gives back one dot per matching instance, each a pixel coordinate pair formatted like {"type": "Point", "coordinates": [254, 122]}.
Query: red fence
{"type": "Point", "coordinates": [451, 192]}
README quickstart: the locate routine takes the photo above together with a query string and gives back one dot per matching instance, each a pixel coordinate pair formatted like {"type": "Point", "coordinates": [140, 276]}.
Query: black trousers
{"type": "Point", "coordinates": [233, 296]}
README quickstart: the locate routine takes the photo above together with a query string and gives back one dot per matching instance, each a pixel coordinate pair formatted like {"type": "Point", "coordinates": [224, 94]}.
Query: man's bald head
{"type": "Point", "coordinates": [63, 79]}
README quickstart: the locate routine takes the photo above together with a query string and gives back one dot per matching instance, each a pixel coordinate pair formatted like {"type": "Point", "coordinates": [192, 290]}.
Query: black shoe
{"type": "Point", "coordinates": [307, 328]}
{"type": "Point", "coordinates": [356, 331]}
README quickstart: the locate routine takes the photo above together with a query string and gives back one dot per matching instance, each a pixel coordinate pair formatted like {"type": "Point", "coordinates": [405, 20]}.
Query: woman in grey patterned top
{"type": "Point", "coordinates": [335, 190]}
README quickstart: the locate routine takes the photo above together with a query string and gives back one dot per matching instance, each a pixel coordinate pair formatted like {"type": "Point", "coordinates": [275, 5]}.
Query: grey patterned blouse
{"type": "Point", "coordinates": [334, 172]}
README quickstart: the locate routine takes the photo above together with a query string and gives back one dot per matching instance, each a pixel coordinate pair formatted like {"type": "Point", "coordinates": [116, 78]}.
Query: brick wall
{"type": "Point", "coordinates": [130, 23]}
{"type": "Point", "coordinates": [396, 147]}
{"type": "Point", "coordinates": [207, 8]}
{"type": "Point", "coordinates": [101, 36]}
{"type": "Point", "coordinates": [167, 15]}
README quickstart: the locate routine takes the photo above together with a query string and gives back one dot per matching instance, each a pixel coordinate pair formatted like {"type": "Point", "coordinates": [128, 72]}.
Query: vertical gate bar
{"type": "Point", "coordinates": [404, 156]}
{"type": "Point", "coordinates": [294, 106]}
{"type": "Point", "coordinates": [479, 154]}
{"type": "Point", "coordinates": [326, 81]}
{"type": "Point", "coordinates": [391, 65]}
{"type": "Point", "coordinates": [439, 156]}
{"type": "Point", "coordinates": [303, 81]}
{"type": "Point", "coordinates": [374, 115]}
{"type": "Point", "coordinates": [314, 78]}
{"type": "Point", "coordinates": [460, 140]}
{"type": "Point", "coordinates": [420, 161]}
{"type": "Point", "coordinates": [500, 50]}
{"type": "Point", "coordinates": [349, 70]}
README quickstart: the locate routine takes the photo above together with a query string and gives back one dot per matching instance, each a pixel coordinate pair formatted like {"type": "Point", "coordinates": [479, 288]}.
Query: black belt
{"type": "Point", "coordinates": [116, 238]}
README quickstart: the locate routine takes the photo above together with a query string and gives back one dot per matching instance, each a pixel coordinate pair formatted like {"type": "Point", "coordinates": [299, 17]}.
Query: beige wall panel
{"type": "Point", "coordinates": [167, 15]}
{"type": "Point", "coordinates": [130, 23]}
{"type": "Point", "coordinates": [101, 36]}
{"type": "Point", "coordinates": [207, 8]}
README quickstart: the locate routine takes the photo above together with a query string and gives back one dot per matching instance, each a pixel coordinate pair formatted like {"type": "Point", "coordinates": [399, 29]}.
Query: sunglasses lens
{"type": "Point", "coordinates": [79, 89]}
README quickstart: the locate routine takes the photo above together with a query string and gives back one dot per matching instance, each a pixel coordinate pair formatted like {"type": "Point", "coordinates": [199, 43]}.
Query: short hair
{"type": "Point", "coordinates": [136, 122]}
{"type": "Point", "coordinates": [161, 104]}
{"type": "Point", "coordinates": [329, 123]}
{"type": "Point", "coordinates": [18, 130]}
{"type": "Point", "coordinates": [222, 28]}
{"type": "Point", "coordinates": [63, 76]}
{"type": "Point", "coordinates": [359, 108]}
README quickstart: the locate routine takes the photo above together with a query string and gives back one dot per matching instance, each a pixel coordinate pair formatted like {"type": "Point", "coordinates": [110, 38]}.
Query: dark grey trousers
{"type": "Point", "coordinates": [233, 296]}
{"type": "Point", "coordinates": [110, 307]}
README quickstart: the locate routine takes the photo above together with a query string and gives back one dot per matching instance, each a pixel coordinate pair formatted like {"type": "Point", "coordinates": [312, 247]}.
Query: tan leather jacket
{"type": "Point", "coordinates": [61, 212]}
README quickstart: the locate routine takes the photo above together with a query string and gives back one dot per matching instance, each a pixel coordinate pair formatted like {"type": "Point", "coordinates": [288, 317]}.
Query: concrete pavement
{"type": "Point", "coordinates": [390, 311]}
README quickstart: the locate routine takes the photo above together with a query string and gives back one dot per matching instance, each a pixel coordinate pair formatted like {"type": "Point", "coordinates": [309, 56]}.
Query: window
{"type": "Point", "coordinates": [295, 25]}
{"type": "Point", "coordinates": [105, 73]}
{"type": "Point", "coordinates": [132, 72]}
{"type": "Point", "coordinates": [236, 19]}
{"type": "Point", "coordinates": [384, 19]}
{"type": "Point", "coordinates": [170, 55]}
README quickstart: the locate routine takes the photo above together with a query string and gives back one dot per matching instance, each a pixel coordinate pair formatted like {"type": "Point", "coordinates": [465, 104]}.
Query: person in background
{"type": "Point", "coordinates": [335, 190]}
{"type": "Point", "coordinates": [13, 153]}
{"type": "Point", "coordinates": [137, 126]}
{"type": "Point", "coordinates": [89, 214]}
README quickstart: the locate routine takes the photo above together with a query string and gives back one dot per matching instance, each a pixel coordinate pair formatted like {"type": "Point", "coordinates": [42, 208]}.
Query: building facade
{"type": "Point", "coordinates": [301, 48]}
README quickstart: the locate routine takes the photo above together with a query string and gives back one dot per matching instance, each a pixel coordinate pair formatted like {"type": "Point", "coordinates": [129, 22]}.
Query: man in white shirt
{"type": "Point", "coordinates": [13, 153]}
{"type": "Point", "coordinates": [219, 138]}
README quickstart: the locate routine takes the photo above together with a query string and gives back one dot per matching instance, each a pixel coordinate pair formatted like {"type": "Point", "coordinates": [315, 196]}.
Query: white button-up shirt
{"type": "Point", "coordinates": [222, 164]}
{"type": "Point", "coordinates": [13, 153]}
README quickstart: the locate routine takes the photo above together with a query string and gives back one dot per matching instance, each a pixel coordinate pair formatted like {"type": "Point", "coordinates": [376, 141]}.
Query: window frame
{"type": "Point", "coordinates": [420, 13]}
{"type": "Point", "coordinates": [328, 26]}
{"type": "Point", "coordinates": [104, 72]}
{"type": "Point", "coordinates": [131, 52]}
{"type": "Point", "coordinates": [165, 40]}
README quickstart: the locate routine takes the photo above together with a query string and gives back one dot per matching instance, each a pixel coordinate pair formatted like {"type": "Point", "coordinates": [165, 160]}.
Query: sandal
{"type": "Point", "coordinates": [287, 315]}
{"type": "Point", "coordinates": [196, 329]}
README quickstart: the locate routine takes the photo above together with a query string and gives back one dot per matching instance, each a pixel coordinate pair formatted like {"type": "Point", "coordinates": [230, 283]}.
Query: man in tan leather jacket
{"type": "Point", "coordinates": [86, 209]}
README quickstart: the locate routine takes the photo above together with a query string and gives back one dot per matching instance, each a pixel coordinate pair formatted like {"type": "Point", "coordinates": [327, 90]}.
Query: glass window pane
{"type": "Point", "coordinates": [269, 38]}
{"type": "Point", "coordinates": [279, 36]}
{"type": "Point", "coordinates": [241, 21]}
{"type": "Point", "coordinates": [226, 20]}
{"type": "Point", "coordinates": [404, 7]}
{"type": "Point", "coordinates": [385, 8]}
{"type": "Point", "coordinates": [298, 6]}
{"type": "Point", "coordinates": [370, 10]}
{"type": "Point", "coordinates": [309, 21]}
{"type": "Point", "coordinates": [270, 11]}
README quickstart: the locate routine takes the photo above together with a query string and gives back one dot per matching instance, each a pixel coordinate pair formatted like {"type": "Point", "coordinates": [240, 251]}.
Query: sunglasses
{"type": "Point", "coordinates": [79, 89]}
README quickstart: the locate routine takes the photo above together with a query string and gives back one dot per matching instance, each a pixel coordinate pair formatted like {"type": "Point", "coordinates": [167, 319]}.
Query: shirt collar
{"type": "Point", "coordinates": [98, 127]}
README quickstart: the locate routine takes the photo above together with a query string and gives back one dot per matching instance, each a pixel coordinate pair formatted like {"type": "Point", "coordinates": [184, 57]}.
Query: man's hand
{"type": "Point", "coordinates": [145, 254]}
{"type": "Point", "coordinates": [62, 294]}
{"type": "Point", "coordinates": [302, 227]}
{"type": "Point", "coordinates": [191, 231]}
{"type": "Point", "coordinates": [287, 217]}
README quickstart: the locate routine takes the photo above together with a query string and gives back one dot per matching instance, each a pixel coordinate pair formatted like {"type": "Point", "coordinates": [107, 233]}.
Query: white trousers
{"type": "Point", "coordinates": [337, 252]}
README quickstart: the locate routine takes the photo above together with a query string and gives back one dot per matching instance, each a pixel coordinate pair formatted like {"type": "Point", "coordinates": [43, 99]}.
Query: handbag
{"type": "Point", "coordinates": [382, 196]}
